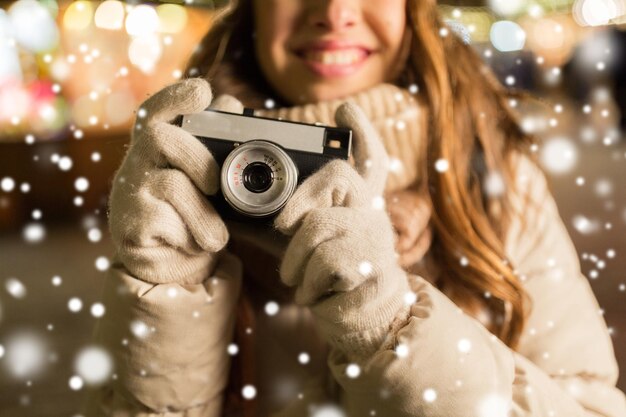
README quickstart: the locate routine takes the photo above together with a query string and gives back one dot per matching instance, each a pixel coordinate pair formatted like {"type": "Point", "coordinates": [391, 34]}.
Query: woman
{"type": "Point", "coordinates": [458, 294]}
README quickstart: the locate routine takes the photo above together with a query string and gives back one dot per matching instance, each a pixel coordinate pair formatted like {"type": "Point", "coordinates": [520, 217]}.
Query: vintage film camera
{"type": "Point", "coordinates": [263, 160]}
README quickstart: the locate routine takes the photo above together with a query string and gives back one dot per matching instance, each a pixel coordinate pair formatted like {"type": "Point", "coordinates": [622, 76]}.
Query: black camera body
{"type": "Point", "coordinates": [263, 160]}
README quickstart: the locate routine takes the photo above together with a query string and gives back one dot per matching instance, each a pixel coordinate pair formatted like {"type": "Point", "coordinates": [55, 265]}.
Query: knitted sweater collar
{"type": "Point", "coordinates": [395, 113]}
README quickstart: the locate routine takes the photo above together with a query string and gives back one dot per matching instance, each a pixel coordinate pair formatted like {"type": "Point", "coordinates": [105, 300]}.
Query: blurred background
{"type": "Point", "coordinates": [72, 75]}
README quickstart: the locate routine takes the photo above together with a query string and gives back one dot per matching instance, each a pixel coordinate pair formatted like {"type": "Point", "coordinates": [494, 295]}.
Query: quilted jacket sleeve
{"type": "Point", "coordinates": [168, 343]}
{"type": "Point", "coordinates": [446, 363]}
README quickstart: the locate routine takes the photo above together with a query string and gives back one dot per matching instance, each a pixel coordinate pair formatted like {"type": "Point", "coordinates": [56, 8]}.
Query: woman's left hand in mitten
{"type": "Point", "coordinates": [341, 256]}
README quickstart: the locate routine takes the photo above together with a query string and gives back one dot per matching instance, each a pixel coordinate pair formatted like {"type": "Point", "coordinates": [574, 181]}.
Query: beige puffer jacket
{"type": "Point", "coordinates": [444, 363]}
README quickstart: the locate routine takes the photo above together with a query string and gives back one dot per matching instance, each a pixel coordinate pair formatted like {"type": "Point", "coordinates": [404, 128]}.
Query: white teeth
{"type": "Point", "coordinates": [334, 57]}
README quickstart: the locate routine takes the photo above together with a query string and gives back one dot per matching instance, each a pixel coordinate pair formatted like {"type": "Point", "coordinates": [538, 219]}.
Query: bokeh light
{"type": "Point", "coordinates": [597, 12]}
{"type": "Point", "coordinates": [429, 395]}
{"type": "Point", "coordinates": [78, 15]}
{"type": "Point", "coordinates": [248, 392]}
{"type": "Point", "coordinates": [10, 68]}
{"type": "Point", "coordinates": [172, 18]}
{"type": "Point", "coordinates": [506, 7]}
{"type": "Point", "coordinates": [584, 225]}
{"type": "Point", "coordinates": [14, 101]}
{"type": "Point", "coordinates": [28, 14]}
{"type": "Point", "coordinates": [144, 52]}
{"type": "Point", "coordinates": [507, 36]}
{"type": "Point", "coordinates": [139, 329]}
{"type": "Point", "coordinates": [34, 233]}
{"type": "Point", "coordinates": [142, 21]}
{"type": "Point", "coordinates": [551, 38]}
{"type": "Point", "coordinates": [594, 50]}
{"type": "Point", "coordinates": [558, 155]}
{"type": "Point", "coordinates": [110, 15]}
{"type": "Point", "coordinates": [94, 365]}
{"type": "Point", "coordinates": [15, 287]}
{"type": "Point", "coordinates": [25, 354]}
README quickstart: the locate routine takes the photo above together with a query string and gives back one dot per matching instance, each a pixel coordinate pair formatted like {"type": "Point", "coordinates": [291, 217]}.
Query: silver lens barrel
{"type": "Point", "coordinates": [258, 177]}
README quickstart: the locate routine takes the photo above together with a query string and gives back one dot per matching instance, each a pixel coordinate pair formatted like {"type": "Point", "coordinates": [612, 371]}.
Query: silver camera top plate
{"type": "Point", "coordinates": [243, 128]}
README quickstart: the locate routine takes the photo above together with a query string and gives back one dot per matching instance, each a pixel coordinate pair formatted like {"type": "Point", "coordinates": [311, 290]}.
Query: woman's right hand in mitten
{"type": "Point", "coordinates": [171, 299]}
{"type": "Point", "coordinates": [163, 227]}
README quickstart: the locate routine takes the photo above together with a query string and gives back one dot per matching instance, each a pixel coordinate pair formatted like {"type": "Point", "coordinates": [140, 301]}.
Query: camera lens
{"type": "Point", "coordinates": [258, 177]}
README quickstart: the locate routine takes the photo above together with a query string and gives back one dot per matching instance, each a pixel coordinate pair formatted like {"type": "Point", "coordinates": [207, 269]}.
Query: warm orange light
{"type": "Point", "coordinates": [78, 15]}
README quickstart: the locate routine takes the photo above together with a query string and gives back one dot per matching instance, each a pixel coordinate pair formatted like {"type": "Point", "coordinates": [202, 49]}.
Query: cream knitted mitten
{"type": "Point", "coordinates": [341, 257]}
{"type": "Point", "coordinates": [163, 227]}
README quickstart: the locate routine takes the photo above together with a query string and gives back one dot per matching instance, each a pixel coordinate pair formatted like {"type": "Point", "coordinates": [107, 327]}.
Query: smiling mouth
{"type": "Point", "coordinates": [333, 62]}
{"type": "Point", "coordinates": [335, 57]}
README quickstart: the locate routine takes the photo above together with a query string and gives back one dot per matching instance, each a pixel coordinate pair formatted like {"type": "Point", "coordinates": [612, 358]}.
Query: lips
{"type": "Point", "coordinates": [333, 58]}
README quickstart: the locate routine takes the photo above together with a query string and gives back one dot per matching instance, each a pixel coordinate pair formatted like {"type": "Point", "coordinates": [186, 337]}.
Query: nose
{"type": "Point", "coordinates": [334, 14]}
